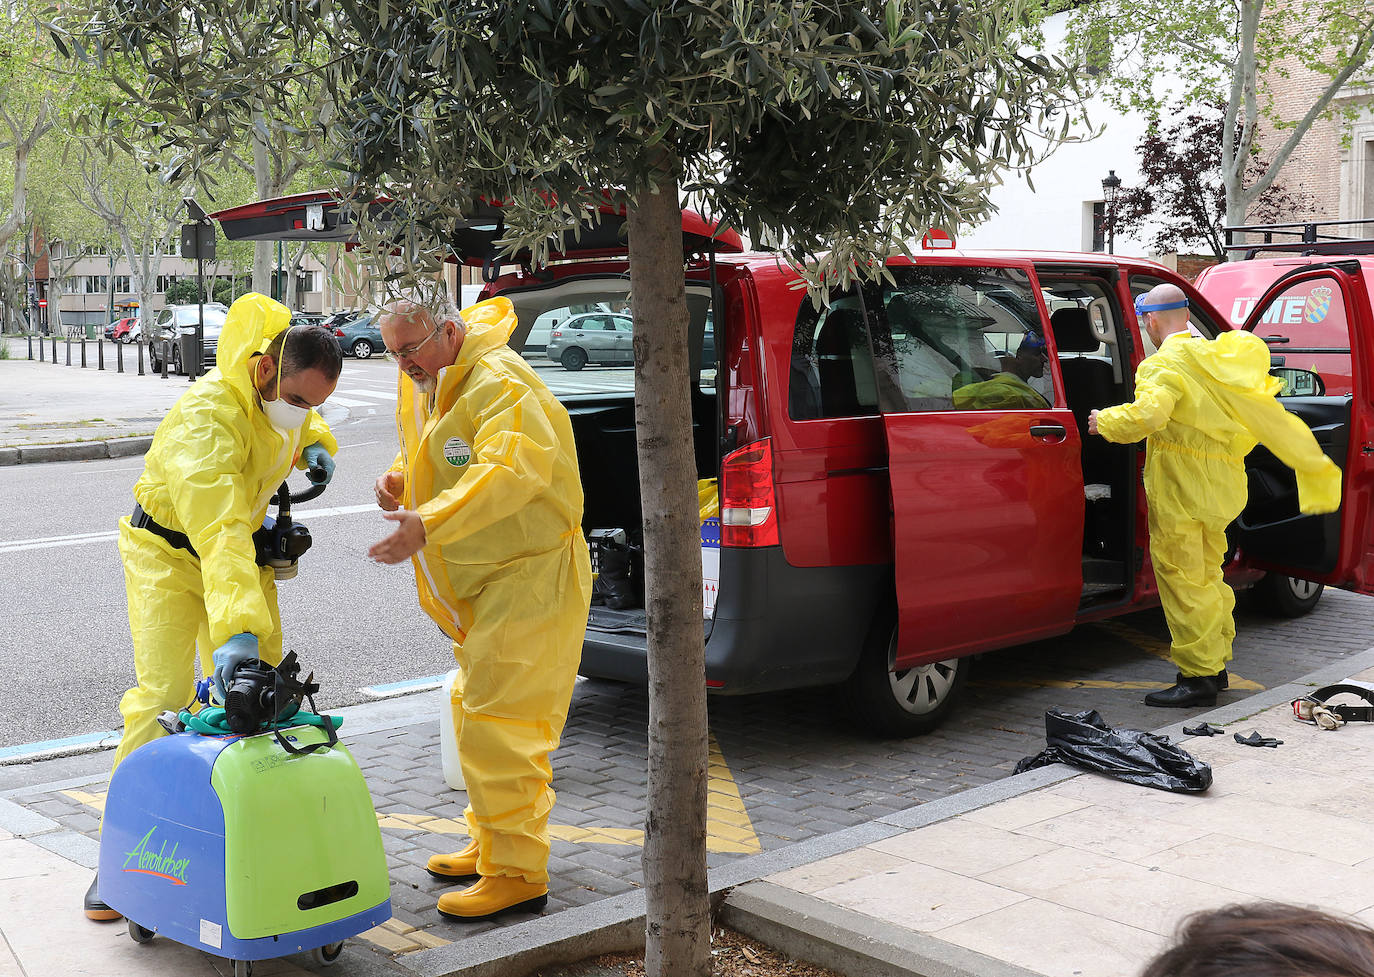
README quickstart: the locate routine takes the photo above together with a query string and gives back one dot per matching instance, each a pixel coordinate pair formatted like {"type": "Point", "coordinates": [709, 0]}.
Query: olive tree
{"type": "Point", "coordinates": [830, 129]}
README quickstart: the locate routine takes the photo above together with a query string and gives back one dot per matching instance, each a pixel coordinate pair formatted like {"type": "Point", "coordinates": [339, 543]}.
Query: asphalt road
{"type": "Point", "coordinates": [65, 652]}
{"type": "Point", "coordinates": [66, 656]}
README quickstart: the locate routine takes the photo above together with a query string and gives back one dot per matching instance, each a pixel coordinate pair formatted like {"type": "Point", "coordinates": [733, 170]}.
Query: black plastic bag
{"type": "Point", "coordinates": [1083, 739]}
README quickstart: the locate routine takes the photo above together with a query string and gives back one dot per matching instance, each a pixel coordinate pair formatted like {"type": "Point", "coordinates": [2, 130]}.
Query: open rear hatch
{"type": "Point", "coordinates": [320, 215]}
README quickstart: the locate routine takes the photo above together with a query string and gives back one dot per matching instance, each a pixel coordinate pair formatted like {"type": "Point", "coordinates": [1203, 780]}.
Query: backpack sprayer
{"type": "Point", "coordinates": [249, 832]}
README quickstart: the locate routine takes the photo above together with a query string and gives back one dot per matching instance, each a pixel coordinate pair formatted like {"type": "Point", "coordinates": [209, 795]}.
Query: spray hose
{"type": "Point", "coordinates": [211, 721]}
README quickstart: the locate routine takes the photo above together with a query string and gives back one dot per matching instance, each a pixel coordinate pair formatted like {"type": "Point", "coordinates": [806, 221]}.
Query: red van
{"type": "Point", "coordinates": [904, 476]}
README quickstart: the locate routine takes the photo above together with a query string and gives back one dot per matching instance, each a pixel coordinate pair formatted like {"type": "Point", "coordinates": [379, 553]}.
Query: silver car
{"type": "Point", "coordinates": [177, 321]}
{"type": "Point", "coordinates": [592, 337]}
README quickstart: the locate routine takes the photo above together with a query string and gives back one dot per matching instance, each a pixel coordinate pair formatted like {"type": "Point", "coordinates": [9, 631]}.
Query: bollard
{"type": "Point", "coordinates": [83, 351]}
{"type": "Point", "coordinates": [140, 356]}
{"type": "Point", "coordinates": [119, 357]}
{"type": "Point", "coordinates": [166, 355]}
{"type": "Point", "coordinates": [100, 353]}
{"type": "Point", "coordinates": [54, 349]}
{"type": "Point", "coordinates": [69, 347]}
{"type": "Point", "coordinates": [40, 348]}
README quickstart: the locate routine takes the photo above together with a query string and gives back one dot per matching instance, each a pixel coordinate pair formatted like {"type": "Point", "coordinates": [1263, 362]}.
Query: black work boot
{"type": "Point", "coordinates": [1199, 690]}
{"type": "Point", "coordinates": [95, 909]}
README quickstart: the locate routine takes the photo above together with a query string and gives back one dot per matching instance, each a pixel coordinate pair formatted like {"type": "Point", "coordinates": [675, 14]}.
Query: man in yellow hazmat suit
{"type": "Point", "coordinates": [1202, 406]}
{"type": "Point", "coordinates": [487, 502]}
{"type": "Point", "coordinates": [190, 566]}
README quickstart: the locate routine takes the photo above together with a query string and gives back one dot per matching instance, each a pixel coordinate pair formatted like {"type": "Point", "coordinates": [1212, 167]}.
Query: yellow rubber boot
{"type": "Point", "coordinates": [459, 865]}
{"type": "Point", "coordinates": [492, 895]}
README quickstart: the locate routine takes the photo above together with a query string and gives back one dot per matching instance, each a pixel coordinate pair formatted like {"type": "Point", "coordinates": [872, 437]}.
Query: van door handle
{"type": "Point", "coordinates": [1048, 431]}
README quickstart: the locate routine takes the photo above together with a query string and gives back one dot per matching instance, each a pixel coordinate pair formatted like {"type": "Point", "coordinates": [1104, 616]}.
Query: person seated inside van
{"type": "Point", "coordinates": [1009, 390]}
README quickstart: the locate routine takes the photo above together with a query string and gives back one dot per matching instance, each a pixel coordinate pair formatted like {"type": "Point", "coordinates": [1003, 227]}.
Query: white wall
{"type": "Point", "coordinates": [1055, 216]}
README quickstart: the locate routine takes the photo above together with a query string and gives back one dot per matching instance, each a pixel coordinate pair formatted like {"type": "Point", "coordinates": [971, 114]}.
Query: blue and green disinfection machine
{"type": "Point", "coordinates": [235, 846]}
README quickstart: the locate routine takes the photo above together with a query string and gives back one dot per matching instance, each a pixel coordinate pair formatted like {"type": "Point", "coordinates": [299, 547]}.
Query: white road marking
{"type": "Point", "coordinates": [78, 539]}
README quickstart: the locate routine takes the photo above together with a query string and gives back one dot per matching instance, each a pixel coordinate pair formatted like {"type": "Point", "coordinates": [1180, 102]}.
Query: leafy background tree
{"type": "Point", "coordinates": [835, 130]}
{"type": "Point", "coordinates": [1144, 55]}
{"type": "Point", "coordinates": [1182, 196]}
{"type": "Point", "coordinates": [30, 101]}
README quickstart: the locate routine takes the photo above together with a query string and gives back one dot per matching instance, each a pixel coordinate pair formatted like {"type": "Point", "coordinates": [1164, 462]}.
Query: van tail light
{"type": "Point", "coordinates": [748, 510]}
{"type": "Point", "coordinates": [556, 334]}
{"type": "Point", "coordinates": [338, 332]}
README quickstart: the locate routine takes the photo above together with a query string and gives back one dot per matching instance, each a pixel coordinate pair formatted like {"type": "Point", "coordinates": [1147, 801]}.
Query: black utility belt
{"type": "Point", "coordinates": [141, 520]}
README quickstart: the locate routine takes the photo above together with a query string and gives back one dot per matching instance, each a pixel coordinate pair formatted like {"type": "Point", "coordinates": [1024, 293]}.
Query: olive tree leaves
{"type": "Point", "coordinates": [835, 131]}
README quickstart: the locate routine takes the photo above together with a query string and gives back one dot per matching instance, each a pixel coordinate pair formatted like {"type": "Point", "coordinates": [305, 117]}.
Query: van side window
{"type": "Point", "coordinates": [832, 365]}
{"type": "Point", "coordinates": [964, 339]}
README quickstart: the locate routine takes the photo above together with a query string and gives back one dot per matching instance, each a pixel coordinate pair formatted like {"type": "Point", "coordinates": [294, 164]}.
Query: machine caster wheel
{"type": "Point", "coordinates": [243, 968]}
{"type": "Point", "coordinates": [139, 934]}
{"type": "Point", "coordinates": [327, 954]}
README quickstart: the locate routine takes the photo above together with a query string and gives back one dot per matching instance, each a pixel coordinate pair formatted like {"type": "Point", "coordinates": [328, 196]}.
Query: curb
{"type": "Point", "coordinates": [31, 454]}
{"type": "Point", "coordinates": [848, 942]}
{"type": "Point", "coordinates": [810, 929]}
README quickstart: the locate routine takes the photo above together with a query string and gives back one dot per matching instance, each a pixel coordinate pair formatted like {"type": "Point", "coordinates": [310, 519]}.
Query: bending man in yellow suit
{"type": "Point", "coordinates": [1202, 406]}
{"type": "Point", "coordinates": [487, 502]}
{"type": "Point", "coordinates": [190, 567]}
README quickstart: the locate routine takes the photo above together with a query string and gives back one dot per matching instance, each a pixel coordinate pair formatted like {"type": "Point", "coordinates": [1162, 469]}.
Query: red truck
{"type": "Point", "coordinates": [904, 475]}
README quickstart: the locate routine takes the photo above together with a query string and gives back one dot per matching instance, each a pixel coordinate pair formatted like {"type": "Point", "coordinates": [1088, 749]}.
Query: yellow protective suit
{"type": "Point", "coordinates": [214, 464]}
{"type": "Point", "coordinates": [489, 464]}
{"type": "Point", "coordinates": [1203, 405]}
{"type": "Point", "coordinates": [1005, 391]}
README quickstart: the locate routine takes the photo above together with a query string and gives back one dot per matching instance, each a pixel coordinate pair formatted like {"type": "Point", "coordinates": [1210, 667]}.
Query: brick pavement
{"type": "Point", "coordinates": [799, 770]}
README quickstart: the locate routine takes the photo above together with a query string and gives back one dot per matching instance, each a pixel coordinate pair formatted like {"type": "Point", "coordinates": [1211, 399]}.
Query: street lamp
{"type": "Point", "coordinates": [1111, 183]}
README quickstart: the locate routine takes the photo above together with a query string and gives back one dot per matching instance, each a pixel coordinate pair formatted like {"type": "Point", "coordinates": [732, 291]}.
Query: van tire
{"type": "Point", "coordinates": [362, 349]}
{"type": "Point", "coordinates": [574, 358]}
{"type": "Point", "coordinates": [901, 704]}
{"type": "Point", "coordinates": [1277, 595]}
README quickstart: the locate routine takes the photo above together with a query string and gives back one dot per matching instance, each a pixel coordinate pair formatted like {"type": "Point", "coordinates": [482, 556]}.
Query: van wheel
{"type": "Point", "coordinates": [362, 349]}
{"type": "Point", "coordinates": [906, 703]}
{"type": "Point", "coordinates": [1282, 596]}
{"type": "Point", "coordinates": [574, 358]}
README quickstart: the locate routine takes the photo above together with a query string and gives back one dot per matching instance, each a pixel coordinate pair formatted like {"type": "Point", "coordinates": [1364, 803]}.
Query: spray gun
{"type": "Point", "coordinates": [281, 542]}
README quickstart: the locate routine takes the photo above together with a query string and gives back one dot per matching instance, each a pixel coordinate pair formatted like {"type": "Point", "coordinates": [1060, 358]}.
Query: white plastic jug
{"type": "Point", "coordinates": [448, 734]}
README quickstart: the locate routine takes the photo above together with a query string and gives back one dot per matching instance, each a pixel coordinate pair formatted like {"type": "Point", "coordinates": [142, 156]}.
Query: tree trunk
{"type": "Point", "coordinates": [293, 268]}
{"type": "Point", "coordinates": [262, 179]}
{"type": "Point", "coordinates": [677, 924]}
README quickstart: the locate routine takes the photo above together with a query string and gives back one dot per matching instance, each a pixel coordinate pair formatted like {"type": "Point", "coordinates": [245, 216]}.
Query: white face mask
{"type": "Point", "coordinates": [284, 416]}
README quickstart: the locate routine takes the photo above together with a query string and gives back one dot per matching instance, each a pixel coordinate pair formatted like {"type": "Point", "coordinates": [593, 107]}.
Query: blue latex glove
{"type": "Point", "coordinates": [316, 458]}
{"type": "Point", "coordinates": [230, 656]}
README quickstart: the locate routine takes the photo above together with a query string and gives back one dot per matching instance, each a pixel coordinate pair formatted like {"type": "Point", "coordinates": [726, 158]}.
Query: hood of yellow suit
{"type": "Point", "coordinates": [488, 325]}
{"type": "Point", "coordinates": [1238, 359]}
{"type": "Point", "coordinates": [252, 323]}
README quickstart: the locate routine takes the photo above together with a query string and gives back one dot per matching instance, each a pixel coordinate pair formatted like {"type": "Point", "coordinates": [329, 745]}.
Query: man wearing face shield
{"type": "Point", "coordinates": [190, 565]}
{"type": "Point", "coordinates": [1202, 405]}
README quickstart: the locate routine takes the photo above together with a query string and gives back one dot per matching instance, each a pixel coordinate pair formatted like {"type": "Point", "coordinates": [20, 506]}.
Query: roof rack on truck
{"type": "Point", "coordinates": [1304, 237]}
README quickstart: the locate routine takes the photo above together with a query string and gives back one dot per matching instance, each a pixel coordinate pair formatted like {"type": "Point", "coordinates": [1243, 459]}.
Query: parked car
{"type": "Point", "coordinates": [307, 319]}
{"type": "Point", "coordinates": [536, 341]}
{"type": "Point", "coordinates": [592, 337]}
{"type": "Point", "coordinates": [874, 536]}
{"type": "Point", "coordinates": [336, 319]}
{"type": "Point", "coordinates": [123, 330]}
{"type": "Point", "coordinates": [176, 321]}
{"type": "Point", "coordinates": [360, 336]}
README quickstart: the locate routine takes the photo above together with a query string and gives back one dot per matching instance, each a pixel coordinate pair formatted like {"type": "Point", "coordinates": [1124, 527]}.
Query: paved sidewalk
{"type": "Point", "coordinates": [1053, 872]}
{"type": "Point", "coordinates": [65, 413]}
{"type": "Point", "coordinates": [1067, 874]}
